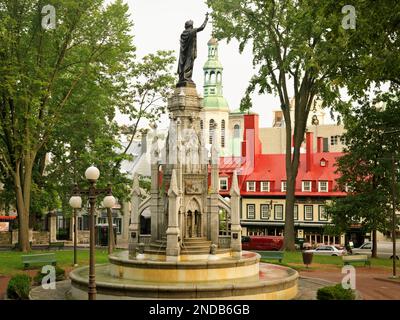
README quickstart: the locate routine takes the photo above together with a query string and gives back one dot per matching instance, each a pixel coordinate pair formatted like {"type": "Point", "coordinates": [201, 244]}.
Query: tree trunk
{"type": "Point", "coordinates": [374, 244]}
{"type": "Point", "coordinates": [111, 243]}
{"type": "Point", "coordinates": [23, 184]}
{"type": "Point", "coordinates": [22, 209]}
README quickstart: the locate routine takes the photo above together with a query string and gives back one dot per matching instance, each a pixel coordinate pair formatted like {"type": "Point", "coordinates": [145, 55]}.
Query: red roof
{"type": "Point", "coordinates": [272, 167]}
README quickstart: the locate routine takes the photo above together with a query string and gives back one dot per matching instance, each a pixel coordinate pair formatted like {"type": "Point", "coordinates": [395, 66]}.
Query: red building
{"type": "Point", "coordinates": [262, 180]}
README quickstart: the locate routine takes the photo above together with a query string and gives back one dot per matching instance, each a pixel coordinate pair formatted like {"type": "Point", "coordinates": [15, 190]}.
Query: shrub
{"type": "Point", "coordinates": [18, 287]}
{"type": "Point", "coordinates": [60, 275]}
{"type": "Point", "coordinates": [336, 292]}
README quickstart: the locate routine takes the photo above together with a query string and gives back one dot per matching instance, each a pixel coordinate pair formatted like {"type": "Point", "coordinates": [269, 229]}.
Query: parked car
{"type": "Point", "coordinates": [267, 243]}
{"type": "Point", "coordinates": [384, 250]}
{"type": "Point", "coordinates": [327, 251]}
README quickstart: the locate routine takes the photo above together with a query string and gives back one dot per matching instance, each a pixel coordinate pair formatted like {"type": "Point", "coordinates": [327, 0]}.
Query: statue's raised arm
{"type": "Point", "coordinates": [188, 52]}
{"type": "Point", "coordinates": [201, 28]}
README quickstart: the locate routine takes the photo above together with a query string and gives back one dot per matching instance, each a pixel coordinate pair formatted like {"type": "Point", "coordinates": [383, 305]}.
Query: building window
{"type": "Point", "coordinates": [223, 184]}
{"type": "Point", "coordinates": [334, 140]}
{"type": "Point", "coordinates": [118, 223]}
{"type": "Point", "coordinates": [308, 213]}
{"type": "Point", "coordinates": [251, 186]}
{"type": "Point", "coordinates": [83, 222]}
{"type": "Point", "coordinates": [296, 212]}
{"type": "Point", "coordinates": [236, 131]}
{"type": "Point", "coordinates": [102, 220]}
{"type": "Point", "coordinates": [251, 211]}
{"type": "Point", "coordinates": [306, 186]}
{"type": "Point", "coordinates": [265, 213]}
{"type": "Point", "coordinates": [211, 130]}
{"type": "Point", "coordinates": [278, 210]}
{"type": "Point", "coordinates": [212, 90]}
{"type": "Point", "coordinates": [265, 186]}
{"type": "Point", "coordinates": [323, 163]}
{"type": "Point", "coordinates": [201, 124]}
{"type": "Point", "coordinates": [323, 216]}
{"type": "Point", "coordinates": [283, 186]}
{"type": "Point", "coordinates": [343, 140]}
{"type": "Point", "coordinates": [322, 186]}
{"type": "Point", "coordinates": [223, 133]}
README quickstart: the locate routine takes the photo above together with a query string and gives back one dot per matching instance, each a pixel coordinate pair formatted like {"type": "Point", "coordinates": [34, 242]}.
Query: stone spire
{"type": "Point", "coordinates": [134, 227]}
{"type": "Point", "coordinates": [173, 245]}
{"type": "Point", "coordinates": [236, 229]}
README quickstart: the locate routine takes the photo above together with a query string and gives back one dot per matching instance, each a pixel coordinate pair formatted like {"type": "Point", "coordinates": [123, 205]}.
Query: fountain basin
{"type": "Point", "coordinates": [175, 280]}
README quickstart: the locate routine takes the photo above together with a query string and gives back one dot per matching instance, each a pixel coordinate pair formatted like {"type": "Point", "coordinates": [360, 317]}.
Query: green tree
{"type": "Point", "coordinates": [291, 48]}
{"type": "Point", "coordinates": [41, 70]}
{"type": "Point", "coordinates": [369, 54]}
{"type": "Point", "coordinates": [366, 167]}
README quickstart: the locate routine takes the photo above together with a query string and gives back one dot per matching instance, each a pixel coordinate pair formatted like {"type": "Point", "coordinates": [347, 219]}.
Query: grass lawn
{"type": "Point", "coordinates": [11, 262]}
{"type": "Point", "coordinates": [295, 259]}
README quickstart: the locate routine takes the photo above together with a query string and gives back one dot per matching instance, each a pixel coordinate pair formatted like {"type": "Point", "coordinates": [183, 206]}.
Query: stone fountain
{"type": "Point", "coordinates": [185, 257]}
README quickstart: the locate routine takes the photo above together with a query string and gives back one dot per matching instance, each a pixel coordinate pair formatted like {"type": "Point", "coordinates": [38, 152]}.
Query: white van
{"type": "Point", "coordinates": [384, 250]}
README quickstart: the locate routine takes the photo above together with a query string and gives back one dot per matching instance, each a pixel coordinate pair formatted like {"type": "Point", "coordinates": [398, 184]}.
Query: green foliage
{"type": "Point", "coordinates": [336, 292]}
{"type": "Point", "coordinates": [60, 276]}
{"type": "Point", "coordinates": [18, 287]}
{"type": "Point", "coordinates": [51, 82]}
{"type": "Point", "coordinates": [370, 53]}
{"type": "Point", "coordinates": [366, 167]}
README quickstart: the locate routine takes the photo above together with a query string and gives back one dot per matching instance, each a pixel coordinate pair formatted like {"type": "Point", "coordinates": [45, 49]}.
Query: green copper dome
{"type": "Point", "coordinates": [213, 98]}
{"type": "Point", "coordinates": [215, 102]}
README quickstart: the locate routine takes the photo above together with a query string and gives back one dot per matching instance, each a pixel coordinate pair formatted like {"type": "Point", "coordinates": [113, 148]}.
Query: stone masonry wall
{"type": "Point", "coordinates": [5, 238]}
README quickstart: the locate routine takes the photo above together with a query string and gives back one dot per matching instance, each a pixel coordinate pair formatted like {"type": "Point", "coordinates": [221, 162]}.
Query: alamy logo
{"type": "Point", "coordinates": [349, 20]}
{"type": "Point", "coordinates": [49, 280]}
{"type": "Point", "coordinates": [49, 20]}
{"type": "Point", "coordinates": [349, 280]}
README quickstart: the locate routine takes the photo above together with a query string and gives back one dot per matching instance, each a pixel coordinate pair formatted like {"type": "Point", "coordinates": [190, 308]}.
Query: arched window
{"type": "Point", "coordinates": [223, 133]}
{"type": "Point", "coordinates": [211, 130]}
{"type": "Point", "coordinates": [212, 77]}
{"type": "Point", "coordinates": [206, 76]}
{"type": "Point", "coordinates": [236, 131]}
{"type": "Point", "coordinates": [219, 77]}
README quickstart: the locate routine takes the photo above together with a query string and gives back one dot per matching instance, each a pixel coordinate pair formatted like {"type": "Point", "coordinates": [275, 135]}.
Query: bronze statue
{"type": "Point", "coordinates": [188, 52]}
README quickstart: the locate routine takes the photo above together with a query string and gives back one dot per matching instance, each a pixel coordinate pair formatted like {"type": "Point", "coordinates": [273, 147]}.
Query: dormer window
{"type": "Point", "coordinates": [251, 186]}
{"type": "Point", "coordinates": [322, 186]}
{"type": "Point", "coordinates": [223, 184]}
{"type": "Point", "coordinates": [306, 186]}
{"type": "Point", "coordinates": [283, 186]}
{"type": "Point", "coordinates": [323, 163]}
{"type": "Point", "coordinates": [265, 186]}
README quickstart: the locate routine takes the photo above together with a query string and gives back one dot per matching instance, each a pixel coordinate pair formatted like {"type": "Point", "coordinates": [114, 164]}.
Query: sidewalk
{"type": "Point", "coordinates": [368, 281]}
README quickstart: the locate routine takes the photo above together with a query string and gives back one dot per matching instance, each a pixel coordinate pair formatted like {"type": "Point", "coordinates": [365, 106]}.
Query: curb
{"type": "Point", "coordinates": [388, 280]}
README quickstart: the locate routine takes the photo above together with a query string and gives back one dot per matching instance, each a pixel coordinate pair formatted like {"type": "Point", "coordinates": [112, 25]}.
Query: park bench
{"type": "Point", "coordinates": [356, 258]}
{"type": "Point", "coordinates": [271, 255]}
{"type": "Point", "coordinates": [59, 245]}
{"type": "Point", "coordinates": [39, 258]}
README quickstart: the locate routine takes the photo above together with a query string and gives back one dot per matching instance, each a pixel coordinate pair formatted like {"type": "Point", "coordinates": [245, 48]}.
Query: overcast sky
{"type": "Point", "coordinates": [158, 25]}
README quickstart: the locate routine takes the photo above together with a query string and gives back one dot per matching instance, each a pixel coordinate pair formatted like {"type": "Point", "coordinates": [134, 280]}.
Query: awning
{"type": "Point", "coordinates": [7, 218]}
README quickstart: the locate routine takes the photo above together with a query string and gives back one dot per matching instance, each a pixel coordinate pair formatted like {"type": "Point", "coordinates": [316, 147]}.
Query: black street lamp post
{"type": "Point", "coordinates": [92, 174]}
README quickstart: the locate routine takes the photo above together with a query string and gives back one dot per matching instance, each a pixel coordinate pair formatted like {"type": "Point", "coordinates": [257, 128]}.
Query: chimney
{"type": "Point", "coordinates": [251, 144]}
{"type": "Point", "coordinates": [309, 151]}
{"type": "Point", "coordinates": [320, 144]}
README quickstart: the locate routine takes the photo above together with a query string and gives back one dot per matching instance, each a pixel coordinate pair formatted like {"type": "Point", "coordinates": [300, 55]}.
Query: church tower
{"type": "Point", "coordinates": [215, 115]}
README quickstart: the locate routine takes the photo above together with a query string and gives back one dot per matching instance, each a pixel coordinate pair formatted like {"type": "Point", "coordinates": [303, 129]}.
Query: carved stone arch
{"type": "Point", "coordinates": [193, 219]}
{"type": "Point", "coordinates": [193, 204]}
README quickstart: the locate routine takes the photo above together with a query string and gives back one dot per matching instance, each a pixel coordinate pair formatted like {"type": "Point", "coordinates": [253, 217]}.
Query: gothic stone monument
{"type": "Point", "coordinates": [183, 258]}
